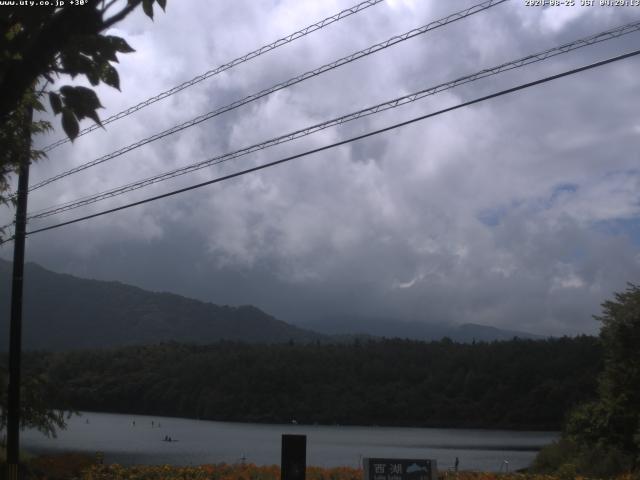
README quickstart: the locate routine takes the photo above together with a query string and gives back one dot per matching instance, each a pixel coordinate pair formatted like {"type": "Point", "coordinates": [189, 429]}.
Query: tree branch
{"type": "Point", "coordinates": [120, 15]}
{"type": "Point", "coordinates": [108, 6]}
{"type": "Point", "coordinates": [54, 37]}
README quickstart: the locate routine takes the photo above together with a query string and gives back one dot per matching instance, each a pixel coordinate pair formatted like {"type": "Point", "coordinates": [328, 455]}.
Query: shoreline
{"type": "Point", "coordinates": [440, 426]}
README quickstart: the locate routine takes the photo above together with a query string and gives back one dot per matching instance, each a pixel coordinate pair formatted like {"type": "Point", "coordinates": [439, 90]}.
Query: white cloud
{"type": "Point", "coordinates": [392, 225]}
{"type": "Point", "coordinates": [556, 18]}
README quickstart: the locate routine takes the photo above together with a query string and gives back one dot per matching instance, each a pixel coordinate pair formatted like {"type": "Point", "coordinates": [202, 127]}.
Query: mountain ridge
{"type": "Point", "coordinates": [392, 328]}
{"type": "Point", "coordinates": [122, 314]}
{"type": "Point", "coordinates": [105, 314]}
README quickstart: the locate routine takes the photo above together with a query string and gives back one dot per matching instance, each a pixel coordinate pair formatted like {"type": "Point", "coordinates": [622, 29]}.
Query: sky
{"type": "Point", "coordinates": [521, 212]}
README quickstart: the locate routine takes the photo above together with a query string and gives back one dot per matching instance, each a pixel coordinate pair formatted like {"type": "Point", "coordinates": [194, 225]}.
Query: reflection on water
{"type": "Point", "coordinates": [130, 439]}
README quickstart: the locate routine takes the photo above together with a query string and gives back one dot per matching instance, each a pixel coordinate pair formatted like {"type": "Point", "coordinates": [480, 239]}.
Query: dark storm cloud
{"type": "Point", "coordinates": [495, 214]}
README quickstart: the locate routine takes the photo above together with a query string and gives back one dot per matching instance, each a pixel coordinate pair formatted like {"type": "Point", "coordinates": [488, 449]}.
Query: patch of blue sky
{"type": "Point", "coordinates": [575, 255]}
{"type": "Point", "coordinates": [627, 172]}
{"type": "Point", "coordinates": [558, 192]}
{"type": "Point", "coordinates": [629, 227]}
{"type": "Point", "coordinates": [492, 217]}
{"type": "Point", "coordinates": [562, 189]}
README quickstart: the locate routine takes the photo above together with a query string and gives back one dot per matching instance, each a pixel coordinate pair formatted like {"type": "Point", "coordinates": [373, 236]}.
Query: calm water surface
{"type": "Point", "coordinates": [199, 442]}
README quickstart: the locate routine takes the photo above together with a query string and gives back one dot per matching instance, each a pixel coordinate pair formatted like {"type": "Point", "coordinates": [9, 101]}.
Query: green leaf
{"type": "Point", "coordinates": [147, 6]}
{"type": "Point", "coordinates": [13, 31]}
{"type": "Point", "coordinates": [96, 46]}
{"type": "Point", "coordinates": [70, 123]}
{"type": "Point", "coordinates": [82, 101]}
{"type": "Point", "coordinates": [37, 105]}
{"type": "Point", "coordinates": [105, 49]}
{"type": "Point", "coordinates": [109, 75]}
{"type": "Point", "coordinates": [163, 4]}
{"type": "Point", "coordinates": [80, 98]}
{"type": "Point", "coordinates": [67, 90]}
{"type": "Point", "coordinates": [120, 44]}
{"type": "Point", "coordinates": [94, 78]}
{"type": "Point", "coordinates": [40, 126]}
{"type": "Point", "coordinates": [93, 115]}
{"type": "Point", "coordinates": [80, 64]}
{"type": "Point", "coordinates": [56, 103]}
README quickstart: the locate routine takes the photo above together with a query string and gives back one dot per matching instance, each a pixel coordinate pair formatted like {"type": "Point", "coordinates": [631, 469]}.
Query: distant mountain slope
{"type": "Point", "coordinates": [465, 333]}
{"type": "Point", "coordinates": [472, 331]}
{"type": "Point", "coordinates": [64, 312]}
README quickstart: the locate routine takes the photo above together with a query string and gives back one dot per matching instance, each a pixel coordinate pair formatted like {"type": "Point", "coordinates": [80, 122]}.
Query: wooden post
{"type": "Point", "coordinates": [293, 463]}
{"type": "Point", "coordinates": [15, 327]}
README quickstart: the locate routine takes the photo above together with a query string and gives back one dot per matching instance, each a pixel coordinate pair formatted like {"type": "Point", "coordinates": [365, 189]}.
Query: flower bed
{"type": "Point", "coordinates": [211, 472]}
{"type": "Point", "coordinates": [83, 467]}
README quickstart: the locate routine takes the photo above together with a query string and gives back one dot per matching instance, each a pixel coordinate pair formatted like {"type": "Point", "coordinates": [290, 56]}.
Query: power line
{"type": "Point", "coordinates": [292, 81]}
{"type": "Point", "coordinates": [343, 142]}
{"type": "Point", "coordinates": [390, 104]}
{"type": "Point", "coordinates": [244, 58]}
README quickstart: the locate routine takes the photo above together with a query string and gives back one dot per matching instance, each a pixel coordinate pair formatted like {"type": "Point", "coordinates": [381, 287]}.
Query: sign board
{"type": "Point", "coordinates": [399, 469]}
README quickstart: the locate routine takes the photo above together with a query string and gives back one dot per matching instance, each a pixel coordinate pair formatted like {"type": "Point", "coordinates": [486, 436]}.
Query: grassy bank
{"type": "Point", "coordinates": [84, 467]}
{"type": "Point", "coordinates": [252, 472]}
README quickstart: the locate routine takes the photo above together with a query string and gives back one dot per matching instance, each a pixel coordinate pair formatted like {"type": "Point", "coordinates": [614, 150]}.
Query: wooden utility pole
{"type": "Point", "coordinates": [15, 327]}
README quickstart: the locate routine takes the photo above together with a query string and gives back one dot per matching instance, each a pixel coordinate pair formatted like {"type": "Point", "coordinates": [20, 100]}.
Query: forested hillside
{"type": "Point", "coordinates": [64, 312]}
{"type": "Point", "coordinates": [514, 384]}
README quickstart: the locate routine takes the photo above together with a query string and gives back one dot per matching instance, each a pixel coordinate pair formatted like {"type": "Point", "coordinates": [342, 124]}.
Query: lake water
{"type": "Point", "coordinates": [200, 442]}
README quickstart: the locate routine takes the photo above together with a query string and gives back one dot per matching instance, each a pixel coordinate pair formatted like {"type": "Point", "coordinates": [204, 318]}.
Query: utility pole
{"type": "Point", "coordinates": [15, 327]}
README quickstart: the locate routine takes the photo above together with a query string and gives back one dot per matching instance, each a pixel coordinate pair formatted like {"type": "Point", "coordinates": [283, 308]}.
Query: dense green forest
{"type": "Point", "coordinates": [513, 384]}
{"type": "Point", "coordinates": [601, 437]}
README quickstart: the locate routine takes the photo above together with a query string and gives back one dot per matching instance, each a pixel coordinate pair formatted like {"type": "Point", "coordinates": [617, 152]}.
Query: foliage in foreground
{"type": "Point", "coordinates": [76, 469]}
{"type": "Point", "coordinates": [35, 391]}
{"type": "Point", "coordinates": [526, 476]}
{"type": "Point", "coordinates": [568, 459]}
{"type": "Point", "coordinates": [38, 45]}
{"type": "Point", "coordinates": [602, 437]}
{"type": "Point", "coordinates": [83, 467]}
{"type": "Point", "coordinates": [51, 467]}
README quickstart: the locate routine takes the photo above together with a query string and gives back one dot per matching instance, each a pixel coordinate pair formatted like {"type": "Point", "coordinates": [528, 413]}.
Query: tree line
{"type": "Point", "coordinates": [524, 384]}
{"type": "Point", "coordinates": [601, 436]}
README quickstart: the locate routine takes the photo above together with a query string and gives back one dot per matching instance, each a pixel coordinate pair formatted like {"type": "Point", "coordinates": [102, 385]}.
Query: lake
{"type": "Point", "coordinates": [200, 442]}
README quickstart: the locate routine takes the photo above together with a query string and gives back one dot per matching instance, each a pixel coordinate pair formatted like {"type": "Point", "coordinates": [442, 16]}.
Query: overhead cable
{"type": "Point", "coordinates": [337, 144]}
{"type": "Point", "coordinates": [292, 81]}
{"type": "Point", "coordinates": [244, 58]}
{"type": "Point", "coordinates": [390, 104]}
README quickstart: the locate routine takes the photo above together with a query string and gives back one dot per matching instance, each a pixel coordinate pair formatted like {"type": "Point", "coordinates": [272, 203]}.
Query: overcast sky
{"type": "Point", "coordinates": [521, 212]}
